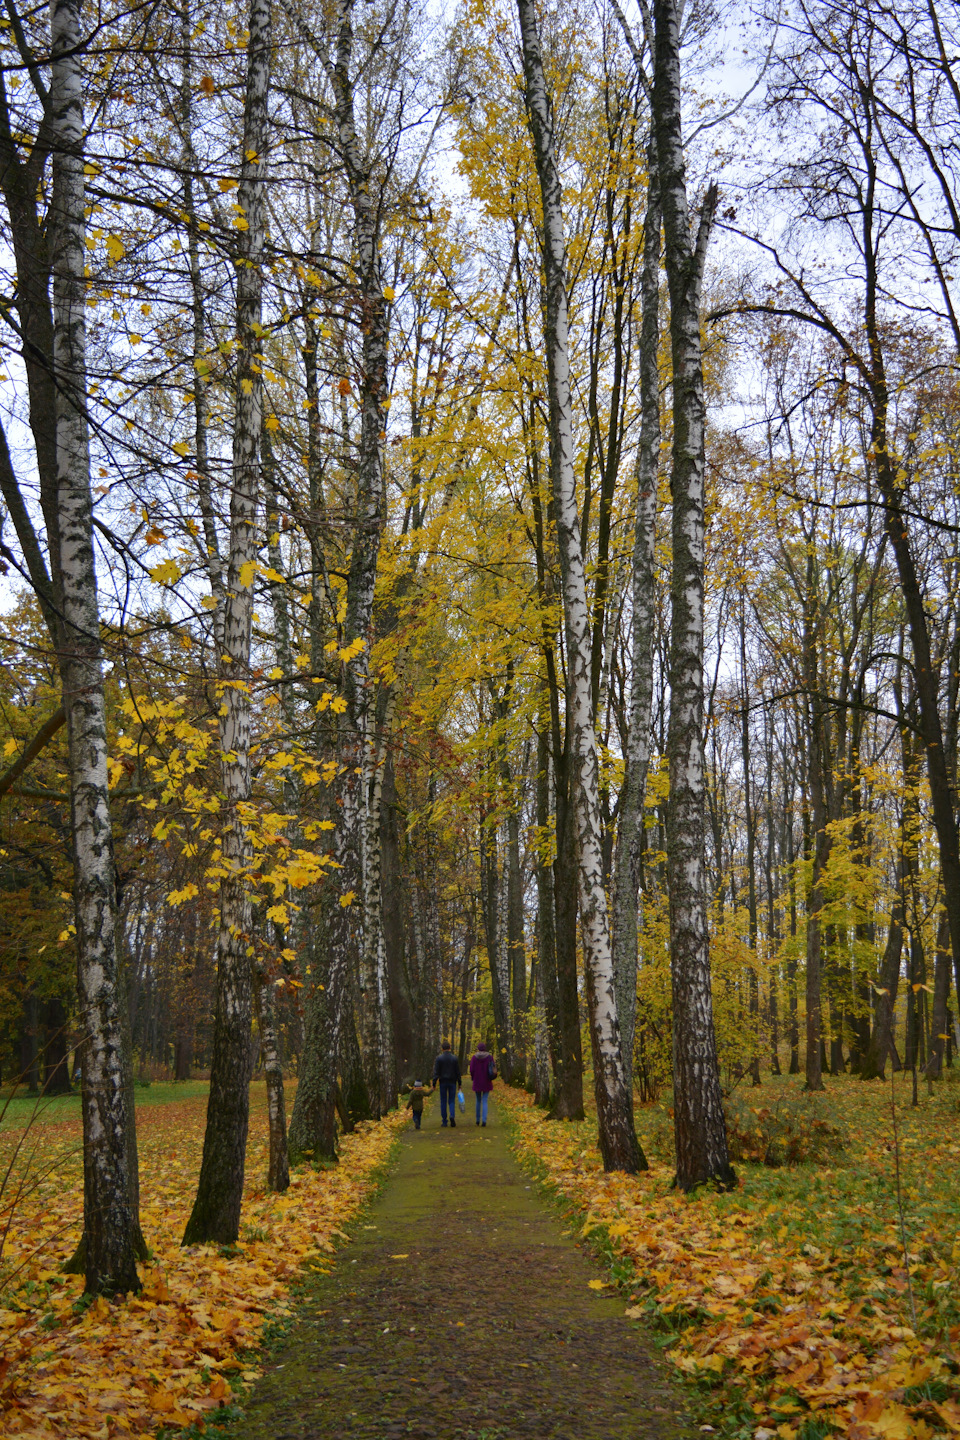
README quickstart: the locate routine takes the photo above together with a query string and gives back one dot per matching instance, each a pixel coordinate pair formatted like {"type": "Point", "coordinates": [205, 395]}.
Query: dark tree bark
{"type": "Point", "coordinates": [818, 840]}
{"type": "Point", "coordinates": [313, 1123]}
{"type": "Point", "coordinates": [406, 1045]}
{"type": "Point", "coordinates": [941, 995]}
{"type": "Point", "coordinates": [56, 1056]}
{"type": "Point", "coordinates": [885, 1000]}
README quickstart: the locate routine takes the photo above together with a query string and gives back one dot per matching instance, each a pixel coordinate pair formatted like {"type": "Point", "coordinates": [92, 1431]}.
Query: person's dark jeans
{"type": "Point", "coordinates": [448, 1100]}
{"type": "Point", "coordinates": [417, 1117]}
{"type": "Point", "coordinates": [482, 1106]}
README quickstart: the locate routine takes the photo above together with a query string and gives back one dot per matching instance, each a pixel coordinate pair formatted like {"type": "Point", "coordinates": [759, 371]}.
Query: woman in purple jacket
{"type": "Point", "coordinates": [482, 1073]}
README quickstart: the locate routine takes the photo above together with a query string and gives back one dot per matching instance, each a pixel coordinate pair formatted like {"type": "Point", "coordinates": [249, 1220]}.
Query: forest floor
{"type": "Point", "coordinates": [187, 1346]}
{"type": "Point", "coordinates": [470, 1297]}
{"type": "Point", "coordinates": [462, 1309]}
{"type": "Point", "coordinates": [818, 1298]}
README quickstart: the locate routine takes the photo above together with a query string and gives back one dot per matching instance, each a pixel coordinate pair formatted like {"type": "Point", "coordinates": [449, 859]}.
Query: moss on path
{"type": "Point", "coordinates": [460, 1310]}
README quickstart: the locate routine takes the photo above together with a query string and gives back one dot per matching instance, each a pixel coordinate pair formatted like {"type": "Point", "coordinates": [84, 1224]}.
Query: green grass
{"type": "Point", "coordinates": [20, 1108]}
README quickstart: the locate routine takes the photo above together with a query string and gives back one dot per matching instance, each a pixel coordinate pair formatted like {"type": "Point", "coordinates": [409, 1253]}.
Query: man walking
{"type": "Point", "coordinates": [446, 1073]}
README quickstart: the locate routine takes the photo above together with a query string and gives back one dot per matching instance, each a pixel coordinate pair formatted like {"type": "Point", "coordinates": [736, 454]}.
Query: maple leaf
{"type": "Point", "coordinates": [166, 573]}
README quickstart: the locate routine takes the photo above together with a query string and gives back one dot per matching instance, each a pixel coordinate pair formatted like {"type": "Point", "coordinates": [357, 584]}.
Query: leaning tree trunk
{"type": "Point", "coordinates": [110, 1225]}
{"type": "Point", "coordinates": [216, 1209]}
{"type": "Point", "coordinates": [630, 835]}
{"type": "Point", "coordinates": [618, 1142]}
{"type": "Point", "coordinates": [926, 672]}
{"type": "Point", "coordinates": [701, 1139]}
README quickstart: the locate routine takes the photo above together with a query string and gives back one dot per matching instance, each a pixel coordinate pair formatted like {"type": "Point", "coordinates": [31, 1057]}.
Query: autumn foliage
{"type": "Point", "coordinates": [787, 1304]}
{"type": "Point", "coordinates": [186, 1345]}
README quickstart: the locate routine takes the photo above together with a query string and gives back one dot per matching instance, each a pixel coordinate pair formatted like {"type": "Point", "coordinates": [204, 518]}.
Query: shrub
{"type": "Point", "coordinates": [794, 1128]}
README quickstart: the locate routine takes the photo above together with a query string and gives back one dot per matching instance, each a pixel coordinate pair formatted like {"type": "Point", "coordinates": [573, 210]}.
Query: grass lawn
{"type": "Point", "coordinates": [17, 1109]}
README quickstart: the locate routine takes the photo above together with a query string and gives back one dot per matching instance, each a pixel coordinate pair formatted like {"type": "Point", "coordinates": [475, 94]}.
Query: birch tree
{"type": "Point", "coordinates": [216, 1210]}
{"type": "Point", "coordinates": [110, 1226]}
{"type": "Point", "coordinates": [618, 1141]}
{"type": "Point", "coordinates": [699, 1129]}
{"type": "Point", "coordinates": [630, 834]}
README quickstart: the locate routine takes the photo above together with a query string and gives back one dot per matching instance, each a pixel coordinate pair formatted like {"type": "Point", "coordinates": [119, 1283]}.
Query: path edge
{"type": "Point", "coordinates": [218, 1424]}
{"type": "Point", "coordinates": [695, 1408]}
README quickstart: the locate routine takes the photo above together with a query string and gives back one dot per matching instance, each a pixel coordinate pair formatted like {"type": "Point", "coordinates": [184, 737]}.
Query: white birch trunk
{"type": "Point", "coordinates": [110, 1226]}
{"type": "Point", "coordinates": [618, 1142]}
{"type": "Point", "coordinates": [211, 545]}
{"type": "Point", "coordinates": [360, 820]}
{"type": "Point", "coordinates": [372, 971]}
{"type": "Point", "coordinates": [630, 835]}
{"type": "Point", "coordinates": [216, 1210]}
{"type": "Point", "coordinates": [700, 1131]}
{"type": "Point", "coordinates": [278, 1167]}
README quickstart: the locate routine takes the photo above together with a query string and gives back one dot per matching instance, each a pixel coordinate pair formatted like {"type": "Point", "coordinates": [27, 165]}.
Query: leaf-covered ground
{"type": "Point", "coordinates": [788, 1302]}
{"type": "Point", "coordinates": [183, 1347]}
{"type": "Point", "coordinates": [461, 1312]}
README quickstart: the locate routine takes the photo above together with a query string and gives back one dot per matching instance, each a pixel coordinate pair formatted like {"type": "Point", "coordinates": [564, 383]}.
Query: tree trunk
{"type": "Point", "coordinates": [278, 1169]}
{"type": "Point", "coordinates": [568, 1102]}
{"type": "Point", "coordinates": [885, 1000]}
{"type": "Point", "coordinates": [792, 1006]}
{"type": "Point", "coordinates": [110, 1227]}
{"type": "Point", "coordinates": [210, 549]}
{"type": "Point", "coordinates": [700, 1131]}
{"type": "Point", "coordinates": [30, 1044]}
{"type": "Point", "coordinates": [749, 815]}
{"type": "Point", "coordinates": [941, 997]}
{"type": "Point", "coordinates": [406, 1044]}
{"type": "Point", "coordinates": [618, 1142]}
{"type": "Point", "coordinates": [926, 676]}
{"type": "Point", "coordinates": [819, 844]}
{"type": "Point", "coordinates": [56, 1069]}
{"type": "Point", "coordinates": [498, 965]}
{"type": "Point", "coordinates": [313, 1124]}
{"type": "Point", "coordinates": [548, 999]}
{"type": "Point", "coordinates": [216, 1209]}
{"type": "Point", "coordinates": [516, 945]}
{"type": "Point", "coordinates": [362, 811]}
{"type": "Point", "coordinates": [630, 834]}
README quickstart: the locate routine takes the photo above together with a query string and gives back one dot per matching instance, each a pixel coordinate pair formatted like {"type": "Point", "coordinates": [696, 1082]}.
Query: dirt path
{"type": "Point", "coordinates": [461, 1311]}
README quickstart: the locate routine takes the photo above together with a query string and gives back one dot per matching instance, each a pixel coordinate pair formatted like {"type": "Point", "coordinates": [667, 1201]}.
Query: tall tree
{"type": "Point", "coordinates": [110, 1226]}
{"type": "Point", "coordinates": [216, 1209]}
{"type": "Point", "coordinates": [630, 833]}
{"type": "Point", "coordinates": [618, 1141]}
{"type": "Point", "coordinates": [699, 1128]}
